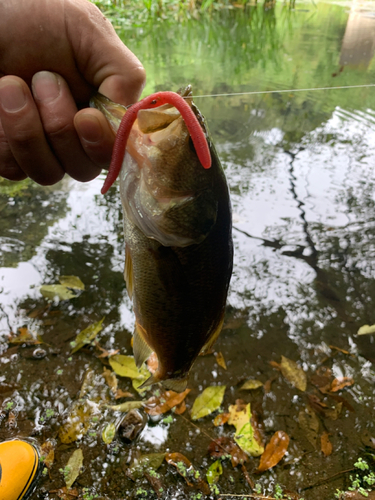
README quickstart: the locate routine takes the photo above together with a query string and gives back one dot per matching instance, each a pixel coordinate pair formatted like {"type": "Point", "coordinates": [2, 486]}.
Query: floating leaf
{"type": "Point", "coordinates": [207, 402]}
{"type": "Point", "coordinates": [47, 453]}
{"type": "Point", "coordinates": [87, 335]}
{"type": "Point", "coordinates": [59, 291]}
{"type": "Point", "coordinates": [224, 446]}
{"type": "Point", "coordinates": [293, 373]}
{"type": "Point", "coordinates": [165, 402]}
{"type": "Point", "coordinates": [340, 383]}
{"type": "Point", "coordinates": [220, 360]}
{"type": "Point", "coordinates": [251, 384]}
{"type": "Point", "coordinates": [274, 451]}
{"type": "Point", "coordinates": [309, 423]}
{"type": "Point", "coordinates": [125, 366]}
{"type": "Point", "coordinates": [72, 282]}
{"type": "Point", "coordinates": [127, 406]}
{"type": "Point", "coordinates": [366, 330]}
{"type": "Point", "coordinates": [325, 444]}
{"type": "Point", "coordinates": [109, 433]}
{"type": "Point", "coordinates": [221, 419]}
{"type": "Point", "coordinates": [245, 436]}
{"type": "Point", "coordinates": [73, 467]}
{"type": "Point", "coordinates": [145, 463]}
{"type": "Point", "coordinates": [214, 472]}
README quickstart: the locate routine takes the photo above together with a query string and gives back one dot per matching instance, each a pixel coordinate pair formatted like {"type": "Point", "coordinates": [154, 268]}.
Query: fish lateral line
{"type": "Point", "coordinates": [154, 101]}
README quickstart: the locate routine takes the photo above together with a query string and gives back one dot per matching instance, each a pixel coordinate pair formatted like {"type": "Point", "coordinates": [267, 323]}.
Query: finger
{"type": "Point", "coordinates": [24, 132]}
{"type": "Point", "coordinates": [96, 136]}
{"type": "Point", "coordinates": [103, 59]}
{"type": "Point", "coordinates": [57, 110]}
{"type": "Point", "coordinates": [9, 168]}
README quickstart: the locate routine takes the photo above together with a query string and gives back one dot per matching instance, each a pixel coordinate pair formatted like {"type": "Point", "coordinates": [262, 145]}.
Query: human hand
{"type": "Point", "coordinates": [53, 55]}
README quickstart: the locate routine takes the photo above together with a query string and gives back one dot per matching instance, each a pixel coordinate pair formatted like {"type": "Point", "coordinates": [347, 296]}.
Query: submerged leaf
{"type": "Point", "coordinates": [186, 470]}
{"type": "Point", "coordinates": [59, 291]}
{"type": "Point", "coordinates": [127, 406]}
{"type": "Point", "coordinates": [25, 336]}
{"type": "Point", "coordinates": [47, 453]}
{"type": "Point", "coordinates": [165, 402]}
{"type": "Point", "coordinates": [109, 433]}
{"type": "Point", "coordinates": [125, 366]}
{"type": "Point", "coordinates": [72, 282]}
{"type": "Point", "coordinates": [251, 384]}
{"type": "Point", "coordinates": [221, 419]}
{"type": "Point", "coordinates": [340, 383]}
{"type": "Point", "coordinates": [207, 402]}
{"type": "Point", "coordinates": [78, 422]}
{"type": "Point", "coordinates": [366, 330]}
{"type": "Point", "coordinates": [145, 463]}
{"type": "Point", "coordinates": [274, 452]}
{"type": "Point", "coordinates": [224, 446]}
{"type": "Point", "coordinates": [220, 360]}
{"type": "Point", "coordinates": [87, 335]}
{"type": "Point", "coordinates": [309, 423]}
{"type": "Point", "coordinates": [293, 373]}
{"type": "Point", "coordinates": [73, 467]}
{"type": "Point", "coordinates": [325, 444]}
{"type": "Point", "coordinates": [245, 436]}
{"type": "Point", "coordinates": [214, 471]}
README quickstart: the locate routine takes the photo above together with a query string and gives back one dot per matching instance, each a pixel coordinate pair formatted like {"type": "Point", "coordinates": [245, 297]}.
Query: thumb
{"type": "Point", "coordinates": [102, 58]}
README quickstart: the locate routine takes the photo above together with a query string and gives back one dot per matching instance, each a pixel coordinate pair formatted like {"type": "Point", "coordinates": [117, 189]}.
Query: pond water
{"type": "Point", "coordinates": [300, 167]}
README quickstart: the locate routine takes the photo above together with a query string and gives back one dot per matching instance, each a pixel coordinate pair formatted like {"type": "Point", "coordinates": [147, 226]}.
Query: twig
{"type": "Point", "coordinates": [251, 495]}
{"type": "Point", "coordinates": [327, 479]}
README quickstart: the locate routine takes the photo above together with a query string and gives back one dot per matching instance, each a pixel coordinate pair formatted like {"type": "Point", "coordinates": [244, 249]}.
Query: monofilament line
{"type": "Point", "coordinates": [284, 91]}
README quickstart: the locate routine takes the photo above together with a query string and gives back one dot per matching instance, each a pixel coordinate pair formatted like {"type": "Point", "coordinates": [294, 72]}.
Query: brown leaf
{"type": "Point", "coordinates": [105, 353]}
{"type": "Point", "coordinates": [225, 446]}
{"type": "Point", "coordinates": [309, 423]}
{"type": "Point", "coordinates": [220, 360]}
{"type": "Point", "coordinates": [342, 400]}
{"type": "Point", "coordinates": [152, 363]}
{"type": "Point", "coordinates": [165, 402]}
{"type": "Point", "coordinates": [355, 495]}
{"type": "Point", "coordinates": [293, 373]}
{"type": "Point", "coordinates": [123, 394]}
{"type": "Point", "coordinates": [276, 365]}
{"type": "Point", "coordinates": [181, 408]}
{"type": "Point", "coordinates": [65, 494]}
{"type": "Point", "coordinates": [221, 419]}
{"type": "Point", "coordinates": [340, 383]}
{"type": "Point", "coordinates": [325, 444]}
{"type": "Point", "coordinates": [333, 413]}
{"type": "Point", "coordinates": [322, 382]}
{"type": "Point", "coordinates": [338, 349]}
{"type": "Point", "coordinates": [47, 451]}
{"type": "Point", "coordinates": [274, 452]}
{"type": "Point", "coordinates": [156, 483]}
{"type": "Point", "coordinates": [186, 470]}
{"type": "Point", "coordinates": [268, 385]}
{"type": "Point", "coordinates": [111, 379]}
{"type": "Point", "coordinates": [24, 336]}
{"type": "Point", "coordinates": [316, 404]}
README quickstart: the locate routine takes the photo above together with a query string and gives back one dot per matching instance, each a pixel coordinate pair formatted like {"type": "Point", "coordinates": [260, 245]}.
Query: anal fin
{"type": "Point", "coordinates": [141, 349]}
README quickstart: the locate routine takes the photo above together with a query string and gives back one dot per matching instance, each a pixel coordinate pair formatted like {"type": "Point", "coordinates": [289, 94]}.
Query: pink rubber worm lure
{"type": "Point", "coordinates": [149, 102]}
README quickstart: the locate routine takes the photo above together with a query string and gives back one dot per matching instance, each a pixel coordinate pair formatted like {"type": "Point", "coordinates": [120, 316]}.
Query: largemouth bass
{"type": "Point", "coordinates": [178, 242]}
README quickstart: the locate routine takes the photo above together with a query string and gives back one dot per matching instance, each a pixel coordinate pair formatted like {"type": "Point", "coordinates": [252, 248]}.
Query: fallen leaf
{"type": "Point", "coordinates": [78, 421]}
{"type": "Point", "coordinates": [220, 360]}
{"type": "Point", "coordinates": [124, 366]}
{"type": "Point", "coordinates": [214, 471]}
{"type": "Point", "coordinates": [187, 471]}
{"type": "Point", "coordinates": [339, 349]}
{"type": "Point", "coordinates": [127, 406]}
{"type": "Point", "coordinates": [47, 453]}
{"type": "Point", "coordinates": [25, 336]}
{"type": "Point", "coordinates": [181, 408]}
{"type": "Point", "coordinates": [356, 495]}
{"type": "Point", "coordinates": [59, 291]}
{"type": "Point", "coordinates": [209, 401]}
{"type": "Point", "coordinates": [123, 394]}
{"type": "Point", "coordinates": [251, 384]}
{"type": "Point", "coordinates": [366, 330]}
{"type": "Point", "coordinates": [65, 493]}
{"type": "Point", "coordinates": [72, 282]}
{"type": "Point", "coordinates": [111, 380]}
{"type": "Point", "coordinates": [276, 365]}
{"type": "Point", "coordinates": [340, 383]}
{"type": "Point", "coordinates": [322, 382]}
{"type": "Point", "coordinates": [165, 402]}
{"type": "Point", "coordinates": [293, 373]}
{"type": "Point", "coordinates": [73, 467]}
{"type": "Point", "coordinates": [86, 336]}
{"type": "Point", "coordinates": [309, 423]}
{"type": "Point", "coordinates": [224, 446]}
{"type": "Point", "coordinates": [274, 451]}
{"type": "Point", "coordinates": [109, 433]}
{"type": "Point", "coordinates": [245, 436]}
{"type": "Point", "coordinates": [333, 413]}
{"type": "Point", "coordinates": [221, 419]}
{"type": "Point", "coordinates": [268, 385]}
{"type": "Point", "coordinates": [155, 481]}
{"type": "Point", "coordinates": [325, 444]}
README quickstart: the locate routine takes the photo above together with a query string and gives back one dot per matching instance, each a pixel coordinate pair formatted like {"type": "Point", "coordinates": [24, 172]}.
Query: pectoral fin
{"type": "Point", "coordinates": [128, 272]}
{"type": "Point", "coordinates": [141, 349]}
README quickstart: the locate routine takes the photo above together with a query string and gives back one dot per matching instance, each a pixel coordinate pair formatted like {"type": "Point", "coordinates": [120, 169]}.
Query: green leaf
{"type": "Point", "coordinates": [72, 282]}
{"type": "Point", "coordinates": [87, 335]}
{"type": "Point", "coordinates": [245, 435]}
{"type": "Point", "coordinates": [366, 330]}
{"type": "Point", "coordinates": [251, 384]}
{"type": "Point", "coordinates": [214, 472]}
{"type": "Point", "coordinates": [207, 402]}
{"type": "Point", "coordinates": [127, 406]}
{"type": "Point", "coordinates": [109, 433]}
{"type": "Point", "coordinates": [145, 463]}
{"type": "Point", "coordinates": [73, 467]}
{"type": "Point", "coordinates": [125, 366]}
{"type": "Point", "coordinates": [59, 291]}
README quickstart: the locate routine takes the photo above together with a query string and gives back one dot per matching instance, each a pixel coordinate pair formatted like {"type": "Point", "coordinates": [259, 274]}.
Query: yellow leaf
{"type": "Point", "coordinates": [207, 402]}
{"type": "Point", "coordinates": [293, 373]}
{"type": "Point", "coordinates": [72, 282]}
{"type": "Point", "coordinates": [240, 417]}
{"type": "Point", "coordinates": [125, 366]}
{"type": "Point", "coordinates": [73, 467]}
{"type": "Point", "coordinates": [366, 330]}
{"type": "Point", "coordinates": [87, 335]}
{"type": "Point", "coordinates": [252, 384]}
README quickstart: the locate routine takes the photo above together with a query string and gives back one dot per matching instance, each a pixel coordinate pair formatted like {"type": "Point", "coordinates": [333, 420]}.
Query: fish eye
{"type": "Point", "coordinates": [154, 101]}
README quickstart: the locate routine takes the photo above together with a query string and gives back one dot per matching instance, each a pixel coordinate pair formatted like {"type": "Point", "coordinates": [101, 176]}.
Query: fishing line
{"type": "Point", "coordinates": [283, 91]}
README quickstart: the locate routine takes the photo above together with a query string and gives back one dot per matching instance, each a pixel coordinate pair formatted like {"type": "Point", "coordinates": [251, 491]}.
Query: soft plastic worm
{"type": "Point", "coordinates": [153, 101]}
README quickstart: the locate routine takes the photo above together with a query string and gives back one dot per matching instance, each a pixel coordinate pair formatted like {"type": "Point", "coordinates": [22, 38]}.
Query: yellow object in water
{"type": "Point", "coordinates": [19, 463]}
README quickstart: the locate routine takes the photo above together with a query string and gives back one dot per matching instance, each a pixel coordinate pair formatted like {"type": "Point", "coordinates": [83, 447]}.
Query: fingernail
{"type": "Point", "coordinates": [46, 86]}
{"type": "Point", "coordinates": [12, 96]}
{"type": "Point", "coordinates": [90, 128]}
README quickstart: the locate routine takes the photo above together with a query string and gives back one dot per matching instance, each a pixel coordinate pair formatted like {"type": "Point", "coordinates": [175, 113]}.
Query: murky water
{"type": "Point", "coordinates": [300, 166]}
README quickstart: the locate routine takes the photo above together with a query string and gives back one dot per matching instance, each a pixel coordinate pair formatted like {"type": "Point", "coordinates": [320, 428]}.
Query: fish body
{"type": "Point", "coordinates": [179, 250]}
